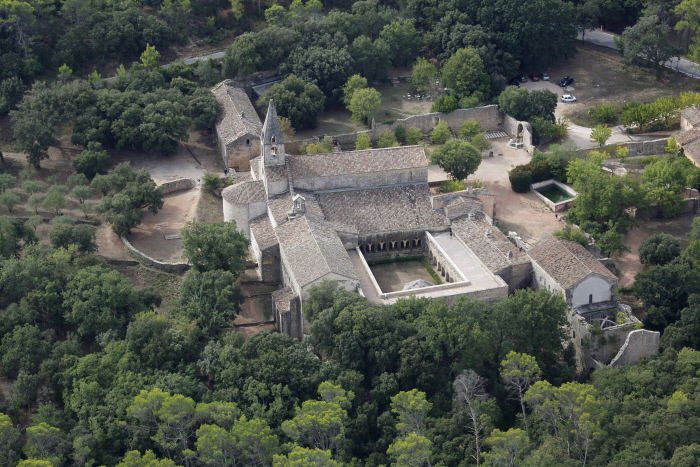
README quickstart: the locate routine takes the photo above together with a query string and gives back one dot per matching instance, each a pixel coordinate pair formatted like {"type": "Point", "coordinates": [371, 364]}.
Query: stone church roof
{"type": "Point", "coordinates": [461, 206]}
{"type": "Point", "coordinates": [488, 243]}
{"type": "Point", "coordinates": [691, 115]}
{"type": "Point", "coordinates": [389, 209]}
{"type": "Point", "coordinates": [567, 262]}
{"type": "Point", "coordinates": [237, 116]}
{"type": "Point", "coordinates": [370, 160]}
{"type": "Point", "coordinates": [313, 250]}
{"type": "Point", "coordinates": [245, 192]}
{"type": "Point", "coordinates": [264, 233]}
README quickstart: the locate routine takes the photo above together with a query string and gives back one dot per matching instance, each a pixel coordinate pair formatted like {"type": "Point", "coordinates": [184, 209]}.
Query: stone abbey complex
{"type": "Point", "coordinates": [333, 216]}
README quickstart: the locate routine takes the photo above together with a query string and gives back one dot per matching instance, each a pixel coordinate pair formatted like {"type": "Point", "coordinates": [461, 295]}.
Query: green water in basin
{"type": "Point", "coordinates": [554, 193]}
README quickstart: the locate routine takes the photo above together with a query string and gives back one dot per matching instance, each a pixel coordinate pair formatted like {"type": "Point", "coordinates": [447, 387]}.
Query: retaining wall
{"type": "Point", "coordinates": [177, 185]}
{"type": "Point", "coordinates": [638, 345]}
{"type": "Point", "coordinates": [174, 268]}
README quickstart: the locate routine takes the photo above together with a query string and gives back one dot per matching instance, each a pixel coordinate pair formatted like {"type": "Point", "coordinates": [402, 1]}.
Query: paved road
{"type": "Point", "coordinates": [606, 40]}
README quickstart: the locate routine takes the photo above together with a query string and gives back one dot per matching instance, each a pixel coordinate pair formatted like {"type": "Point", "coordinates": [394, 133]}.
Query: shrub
{"type": "Point", "coordinates": [388, 140]}
{"type": "Point", "coordinates": [469, 129]}
{"type": "Point", "coordinates": [469, 102]}
{"type": "Point", "coordinates": [414, 136]}
{"type": "Point", "coordinates": [659, 249]}
{"type": "Point", "coordinates": [445, 104]}
{"type": "Point", "coordinates": [92, 160]}
{"type": "Point", "coordinates": [604, 113]}
{"type": "Point", "coordinates": [572, 234]}
{"type": "Point", "coordinates": [400, 132]}
{"type": "Point", "coordinates": [520, 179]}
{"type": "Point", "coordinates": [539, 170]}
{"type": "Point", "coordinates": [441, 133]}
{"type": "Point", "coordinates": [362, 142]}
{"type": "Point", "coordinates": [211, 181]}
{"type": "Point", "coordinates": [480, 142]}
{"type": "Point", "coordinates": [449, 186]}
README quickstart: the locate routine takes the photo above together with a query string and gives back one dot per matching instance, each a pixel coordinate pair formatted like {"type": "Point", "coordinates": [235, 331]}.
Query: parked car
{"type": "Point", "coordinates": [544, 76]}
{"type": "Point", "coordinates": [522, 78]}
{"type": "Point", "coordinates": [533, 77]}
{"type": "Point", "coordinates": [568, 98]}
{"type": "Point", "coordinates": [566, 81]}
{"type": "Point", "coordinates": [514, 82]}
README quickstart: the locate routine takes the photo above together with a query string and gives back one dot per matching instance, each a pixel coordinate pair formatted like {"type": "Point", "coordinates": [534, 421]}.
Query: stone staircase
{"type": "Point", "coordinates": [496, 134]}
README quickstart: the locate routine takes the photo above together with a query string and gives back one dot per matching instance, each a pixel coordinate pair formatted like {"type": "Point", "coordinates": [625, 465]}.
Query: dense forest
{"type": "Point", "coordinates": [93, 375]}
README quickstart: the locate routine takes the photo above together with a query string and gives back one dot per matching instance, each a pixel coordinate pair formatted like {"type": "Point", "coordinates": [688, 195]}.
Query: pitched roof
{"type": "Point", "coordinates": [283, 298]}
{"type": "Point", "coordinates": [691, 114]}
{"type": "Point", "coordinates": [488, 243]}
{"type": "Point", "coordinates": [237, 116]}
{"type": "Point", "coordinates": [245, 192]}
{"type": "Point", "coordinates": [462, 205]}
{"type": "Point", "coordinates": [383, 209]}
{"type": "Point", "coordinates": [313, 250]}
{"type": "Point", "coordinates": [272, 126]}
{"type": "Point", "coordinates": [567, 262]}
{"type": "Point", "coordinates": [690, 142]}
{"type": "Point", "coordinates": [263, 232]}
{"type": "Point", "coordinates": [280, 205]}
{"type": "Point", "coordinates": [370, 160]}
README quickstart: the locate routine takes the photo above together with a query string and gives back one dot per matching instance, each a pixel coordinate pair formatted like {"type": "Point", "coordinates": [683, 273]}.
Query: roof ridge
{"type": "Point", "coordinates": [574, 255]}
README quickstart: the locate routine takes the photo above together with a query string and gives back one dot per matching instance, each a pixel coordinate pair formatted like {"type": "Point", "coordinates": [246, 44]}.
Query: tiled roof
{"type": "Point", "coordinates": [237, 116]}
{"type": "Point", "coordinates": [245, 193]}
{"type": "Point", "coordinates": [688, 136]}
{"type": "Point", "coordinates": [462, 205]}
{"type": "Point", "coordinates": [264, 233]}
{"type": "Point", "coordinates": [567, 262]}
{"type": "Point", "coordinates": [492, 250]}
{"type": "Point", "coordinates": [371, 160]}
{"type": "Point", "coordinates": [275, 173]}
{"type": "Point", "coordinates": [383, 209]}
{"type": "Point", "coordinates": [691, 114]}
{"type": "Point", "coordinates": [690, 141]}
{"type": "Point", "coordinates": [282, 298]}
{"type": "Point", "coordinates": [313, 250]}
{"type": "Point", "coordinates": [280, 205]}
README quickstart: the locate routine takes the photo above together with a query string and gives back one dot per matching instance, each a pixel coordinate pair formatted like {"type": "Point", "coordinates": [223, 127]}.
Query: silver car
{"type": "Point", "coordinates": [568, 98]}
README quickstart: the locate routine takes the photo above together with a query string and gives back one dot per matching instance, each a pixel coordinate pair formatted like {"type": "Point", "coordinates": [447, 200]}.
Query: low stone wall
{"type": "Point", "coordinates": [177, 185]}
{"type": "Point", "coordinates": [174, 268]}
{"type": "Point", "coordinates": [556, 207]}
{"type": "Point", "coordinates": [488, 117]}
{"type": "Point", "coordinates": [638, 345]}
{"type": "Point", "coordinates": [690, 205]}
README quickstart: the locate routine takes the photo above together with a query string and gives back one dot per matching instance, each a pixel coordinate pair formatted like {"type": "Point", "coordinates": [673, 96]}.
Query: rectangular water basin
{"type": "Point", "coordinates": [556, 195]}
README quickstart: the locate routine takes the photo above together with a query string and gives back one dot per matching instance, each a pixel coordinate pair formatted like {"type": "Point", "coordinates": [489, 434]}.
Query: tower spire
{"type": "Point", "coordinates": [272, 138]}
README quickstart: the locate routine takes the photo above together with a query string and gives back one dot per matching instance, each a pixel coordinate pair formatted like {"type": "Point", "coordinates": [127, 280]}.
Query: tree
{"type": "Point", "coordinates": [7, 181]}
{"type": "Point", "coordinates": [9, 200]}
{"type": "Point", "coordinates": [659, 249]}
{"type": "Point", "coordinates": [131, 192]}
{"type": "Point", "coordinates": [403, 39]}
{"type": "Point", "coordinates": [469, 389]}
{"type": "Point", "coordinates": [441, 133]}
{"type": "Point", "coordinates": [445, 104]}
{"type": "Point", "coordinates": [689, 20]}
{"type": "Point", "coordinates": [247, 443]}
{"type": "Point", "coordinates": [587, 14]}
{"type": "Point", "coordinates": [600, 134]}
{"type": "Point", "coordinates": [388, 140]}
{"type": "Point", "coordinates": [469, 129]}
{"type": "Point", "coordinates": [46, 442]}
{"type": "Point", "coordinates": [664, 184]}
{"type": "Point", "coordinates": [321, 424]}
{"type": "Point", "coordinates": [574, 234]}
{"type": "Point", "coordinates": [215, 246]}
{"type": "Point", "coordinates": [32, 186]}
{"type": "Point", "coordinates": [10, 442]}
{"type": "Point", "coordinates": [573, 412]}
{"type": "Point", "coordinates": [354, 83]}
{"type": "Point", "coordinates": [212, 298]}
{"type": "Point", "coordinates": [505, 446]}
{"type": "Point", "coordinates": [523, 105]}
{"type": "Point", "coordinates": [299, 101]}
{"type": "Point", "coordinates": [364, 104]}
{"type": "Point", "coordinates": [424, 75]}
{"type": "Point", "coordinates": [327, 67]}
{"type": "Point", "coordinates": [519, 371]}
{"type": "Point", "coordinates": [464, 74]}
{"type": "Point", "coordinates": [11, 94]}
{"type": "Point", "coordinates": [412, 450]}
{"type": "Point", "coordinates": [303, 457]}
{"type": "Point", "coordinates": [414, 136]}
{"type": "Point", "coordinates": [64, 72]}
{"type": "Point", "coordinates": [150, 57]}
{"type": "Point", "coordinates": [648, 42]}
{"type": "Point", "coordinates": [35, 201]}
{"type": "Point", "coordinates": [207, 72]}
{"type": "Point", "coordinates": [81, 193]}
{"type": "Point", "coordinates": [458, 158]}
{"type": "Point", "coordinates": [92, 160]}
{"type": "Point", "coordinates": [100, 300]}
{"type": "Point", "coordinates": [411, 408]}
{"type": "Point", "coordinates": [149, 459]}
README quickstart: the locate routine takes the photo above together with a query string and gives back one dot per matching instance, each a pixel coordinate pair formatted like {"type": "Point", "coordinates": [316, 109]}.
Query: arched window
{"type": "Point", "coordinates": [274, 140]}
{"type": "Point", "coordinates": [273, 150]}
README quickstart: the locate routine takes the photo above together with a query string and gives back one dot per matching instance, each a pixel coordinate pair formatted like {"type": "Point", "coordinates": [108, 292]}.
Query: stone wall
{"type": "Point", "coordinates": [689, 205]}
{"type": "Point", "coordinates": [515, 274]}
{"type": "Point", "coordinates": [639, 344]}
{"type": "Point", "coordinates": [237, 154]}
{"type": "Point", "coordinates": [393, 244]}
{"type": "Point", "coordinates": [488, 117]}
{"type": "Point", "coordinates": [177, 185]}
{"type": "Point", "coordinates": [174, 268]}
{"type": "Point", "coordinates": [442, 263]}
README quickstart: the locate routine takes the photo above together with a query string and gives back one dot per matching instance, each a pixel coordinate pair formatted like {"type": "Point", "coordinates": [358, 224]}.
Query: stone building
{"type": "Point", "coordinates": [321, 217]}
{"type": "Point", "coordinates": [600, 323]}
{"type": "Point", "coordinates": [237, 126]}
{"type": "Point", "coordinates": [689, 138]}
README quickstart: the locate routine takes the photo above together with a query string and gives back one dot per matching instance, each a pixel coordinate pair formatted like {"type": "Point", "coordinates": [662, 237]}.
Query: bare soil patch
{"type": "Point", "coordinates": [600, 76]}
{"type": "Point", "coordinates": [392, 277]}
{"type": "Point", "coordinates": [167, 285]}
{"type": "Point", "coordinates": [257, 307]}
{"type": "Point", "coordinates": [628, 264]}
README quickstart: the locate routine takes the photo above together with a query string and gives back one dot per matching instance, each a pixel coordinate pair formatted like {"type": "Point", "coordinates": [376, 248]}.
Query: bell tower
{"type": "Point", "coordinates": [272, 138]}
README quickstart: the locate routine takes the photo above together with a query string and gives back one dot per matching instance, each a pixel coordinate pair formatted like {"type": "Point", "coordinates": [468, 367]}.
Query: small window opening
{"type": "Point", "coordinates": [273, 150]}
{"type": "Point", "coordinates": [274, 139]}
{"type": "Point", "coordinates": [590, 299]}
{"type": "Point", "coordinates": [247, 141]}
